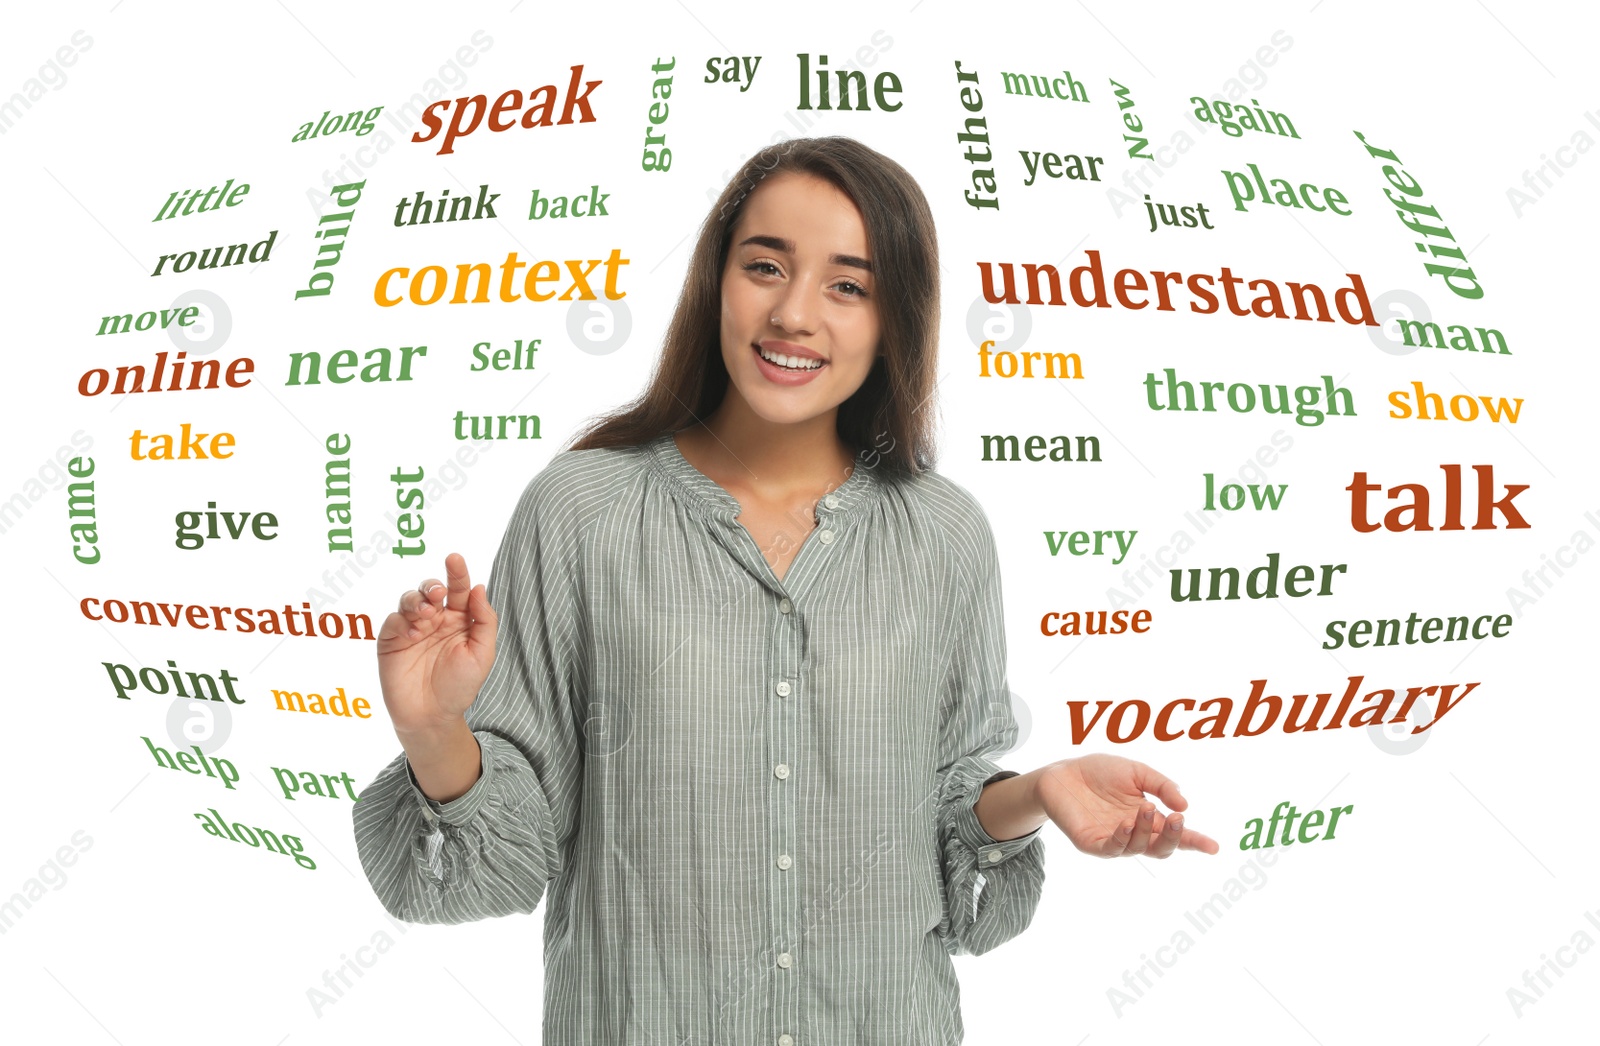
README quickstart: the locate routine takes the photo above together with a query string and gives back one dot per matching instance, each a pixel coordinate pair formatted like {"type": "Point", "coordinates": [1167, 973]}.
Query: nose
{"type": "Point", "coordinates": [797, 308]}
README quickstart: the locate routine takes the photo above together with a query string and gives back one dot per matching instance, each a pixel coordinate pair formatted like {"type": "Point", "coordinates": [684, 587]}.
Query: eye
{"type": "Point", "coordinates": [761, 265]}
{"type": "Point", "coordinates": [859, 291]}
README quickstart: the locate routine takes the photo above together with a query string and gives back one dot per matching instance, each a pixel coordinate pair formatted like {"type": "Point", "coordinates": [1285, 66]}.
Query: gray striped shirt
{"type": "Point", "coordinates": [748, 803]}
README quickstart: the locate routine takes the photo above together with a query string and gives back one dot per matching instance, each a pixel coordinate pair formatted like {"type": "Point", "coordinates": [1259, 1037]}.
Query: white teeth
{"type": "Point", "coordinates": [790, 362]}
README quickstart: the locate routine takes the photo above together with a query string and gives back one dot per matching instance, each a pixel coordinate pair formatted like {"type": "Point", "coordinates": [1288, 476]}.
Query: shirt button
{"type": "Point", "coordinates": [785, 960]}
{"type": "Point", "coordinates": [781, 771]}
{"type": "Point", "coordinates": [831, 501]}
{"type": "Point", "coordinates": [784, 606]}
{"type": "Point", "coordinates": [784, 861]}
{"type": "Point", "coordinates": [994, 856]}
{"type": "Point", "coordinates": [783, 688]}
{"type": "Point", "coordinates": [826, 536]}
{"type": "Point", "coordinates": [786, 1039]}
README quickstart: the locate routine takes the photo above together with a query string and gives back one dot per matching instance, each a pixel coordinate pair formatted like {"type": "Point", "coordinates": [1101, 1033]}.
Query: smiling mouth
{"type": "Point", "coordinates": [798, 364]}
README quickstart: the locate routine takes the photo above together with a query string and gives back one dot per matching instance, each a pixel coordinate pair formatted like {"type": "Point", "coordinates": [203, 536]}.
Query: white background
{"type": "Point", "coordinates": [1464, 863]}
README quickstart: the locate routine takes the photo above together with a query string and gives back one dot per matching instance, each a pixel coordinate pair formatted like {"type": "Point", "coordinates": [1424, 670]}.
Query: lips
{"type": "Point", "coordinates": [790, 353]}
{"type": "Point", "coordinates": [780, 375]}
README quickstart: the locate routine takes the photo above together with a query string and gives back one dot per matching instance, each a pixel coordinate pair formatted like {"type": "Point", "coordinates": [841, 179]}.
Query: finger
{"type": "Point", "coordinates": [1167, 838]}
{"type": "Point", "coordinates": [455, 568]}
{"type": "Point", "coordinates": [432, 595]}
{"type": "Point", "coordinates": [400, 625]}
{"type": "Point", "coordinates": [1193, 840]}
{"type": "Point", "coordinates": [411, 607]}
{"type": "Point", "coordinates": [1159, 785]}
{"type": "Point", "coordinates": [394, 627]}
{"type": "Point", "coordinates": [1143, 827]}
{"type": "Point", "coordinates": [1117, 841]}
{"type": "Point", "coordinates": [485, 621]}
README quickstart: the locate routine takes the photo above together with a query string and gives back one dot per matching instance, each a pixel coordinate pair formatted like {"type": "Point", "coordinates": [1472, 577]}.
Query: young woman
{"type": "Point", "coordinates": [729, 699]}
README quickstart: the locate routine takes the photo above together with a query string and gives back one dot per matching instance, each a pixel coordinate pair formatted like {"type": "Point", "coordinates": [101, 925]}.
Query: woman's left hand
{"type": "Point", "coordinates": [1098, 802]}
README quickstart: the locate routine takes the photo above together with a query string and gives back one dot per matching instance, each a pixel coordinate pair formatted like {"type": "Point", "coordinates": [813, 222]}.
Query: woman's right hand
{"type": "Point", "coordinates": [435, 652]}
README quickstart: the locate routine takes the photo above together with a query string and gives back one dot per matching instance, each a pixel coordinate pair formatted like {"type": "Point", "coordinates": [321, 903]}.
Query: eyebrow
{"type": "Point", "coordinates": [778, 243]}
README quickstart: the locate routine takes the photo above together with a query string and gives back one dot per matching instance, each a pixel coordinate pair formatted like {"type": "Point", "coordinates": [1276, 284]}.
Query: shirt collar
{"type": "Point", "coordinates": [704, 494]}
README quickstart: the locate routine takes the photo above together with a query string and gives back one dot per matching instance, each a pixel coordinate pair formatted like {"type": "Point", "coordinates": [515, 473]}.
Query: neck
{"type": "Point", "coordinates": [776, 458]}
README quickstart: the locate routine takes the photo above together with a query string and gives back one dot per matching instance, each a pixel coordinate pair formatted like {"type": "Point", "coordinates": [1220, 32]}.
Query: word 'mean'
{"type": "Point", "coordinates": [469, 111]}
{"type": "Point", "coordinates": [1004, 448]}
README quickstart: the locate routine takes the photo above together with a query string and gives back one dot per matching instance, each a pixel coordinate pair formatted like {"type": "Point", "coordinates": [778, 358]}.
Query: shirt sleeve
{"type": "Point", "coordinates": [491, 851]}
{"type": "Point", "coordinates": [991, 889]}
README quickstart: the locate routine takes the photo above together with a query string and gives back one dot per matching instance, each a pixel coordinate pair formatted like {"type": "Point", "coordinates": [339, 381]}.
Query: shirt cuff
{"type": "Point", "coordinates": [991, 852]}
{"type": "Point", "coordinates": [462, 808]}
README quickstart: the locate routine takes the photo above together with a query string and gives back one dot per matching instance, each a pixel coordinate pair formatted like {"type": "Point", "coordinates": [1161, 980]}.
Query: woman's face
{"type": "Point", "coordinates": [798, 255]}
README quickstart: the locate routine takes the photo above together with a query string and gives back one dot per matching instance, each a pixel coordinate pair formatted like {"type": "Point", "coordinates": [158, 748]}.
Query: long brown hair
{"type": "Point", "coordinates": [888, 420]}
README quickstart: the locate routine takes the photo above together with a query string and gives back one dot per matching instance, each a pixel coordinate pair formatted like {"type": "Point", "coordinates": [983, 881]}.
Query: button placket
{"type": "Point", "coordinates": [786, 748]}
